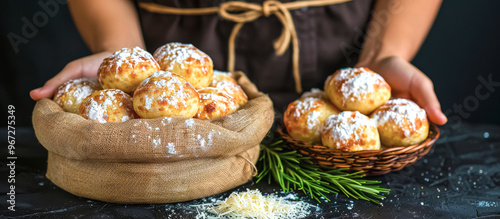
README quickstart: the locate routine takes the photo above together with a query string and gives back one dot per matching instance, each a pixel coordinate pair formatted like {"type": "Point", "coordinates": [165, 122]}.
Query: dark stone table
{"type": "Point", "coordinates": [459, 178]}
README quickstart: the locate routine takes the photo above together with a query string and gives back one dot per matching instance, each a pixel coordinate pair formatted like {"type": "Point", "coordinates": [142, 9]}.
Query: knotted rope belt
{"type": "Point", "coordinates": [244, 12]}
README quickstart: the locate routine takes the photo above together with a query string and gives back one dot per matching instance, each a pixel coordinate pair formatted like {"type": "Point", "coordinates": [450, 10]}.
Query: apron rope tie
{"type": "Point", "coordinates": [243, 12]}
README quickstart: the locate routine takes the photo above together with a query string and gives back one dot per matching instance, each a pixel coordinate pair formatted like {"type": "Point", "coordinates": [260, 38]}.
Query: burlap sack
{"type": "Point", "coordinates": [159, 160]}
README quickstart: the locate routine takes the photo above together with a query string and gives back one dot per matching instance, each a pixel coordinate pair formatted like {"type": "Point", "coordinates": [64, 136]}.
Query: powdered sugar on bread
{"type": "Point", "coordinates": [126, 68]}
{"type": "Point", "coordinates": [403, 112]}
{"type": "Point", "coordinates": [357, 82]}
{"type": "Point", "coordinates": [225, 82]}
{"type": "Point", "coordinates": [110, 105]}
{"type": "Point", "coordinates": [177, 53]}
{"type": "Point", "coordinates": [315, 92]}
{"type": "Point", "coordinates": [350, 131]}
{"type": "Point", "coordinates": [71, 94]}
{"type": "Point", "coordinates": [304, 118]}
{"type": "Point", "coordinates": [305, 105]}
{"type": "Point", "coordinates": [174, 93]}
{"type": "Point", "coordinates": [347, 125]}
{"type": "Point", "coordinates": [187, 61]}
{"type": "Point", "coordinates": [165, 94]}
{"type": "Point", "coordinates": [215, 103]}
{"type": "Point", "coordinates": [130, 57]}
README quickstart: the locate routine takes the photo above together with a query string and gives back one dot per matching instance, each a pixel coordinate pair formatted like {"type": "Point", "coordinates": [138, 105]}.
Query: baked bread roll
{"type": "Point", "coordinates": [165, 94]}
{"type": "Point", "coordinates": [357, 89]}
{"type": "Point", "coordinates": [401, 122]}
{"type": "Point", "coordinates": [71, 94]}
{"type": "Point", "coordinates": [215, 103]}
{"type": "Point", "coordinates": [220, 76]}
{"type": "Point", "coordinates": [224, 81]}
{"type": "Point", "coordinates": [316, 93]}
{"type": "Point", "coordinates": [126, 68]}
{"type": "Point", "coordinates": [350, 131]}
{"type": "Point", "coordinates": [304, 118]}
{"type": "Point", "coordinates": [109, 105]}
{"type": "Point", "coordinates": [187, 61]}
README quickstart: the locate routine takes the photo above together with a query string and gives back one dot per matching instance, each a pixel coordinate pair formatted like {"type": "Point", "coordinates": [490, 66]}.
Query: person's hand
{"type": "Point", "coordinates": [408, 82]}
{"type": "Point", "coordinates": [85, 67]}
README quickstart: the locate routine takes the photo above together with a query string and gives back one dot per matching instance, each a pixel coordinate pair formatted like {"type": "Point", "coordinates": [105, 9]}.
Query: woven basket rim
{"type": "Point", "coordinates": [434, 134]}
{"type": "Point", "coordinates": [372, 162]}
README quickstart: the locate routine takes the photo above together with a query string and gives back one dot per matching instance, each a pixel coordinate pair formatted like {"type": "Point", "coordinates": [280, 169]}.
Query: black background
{"type": "Point", "coordinates": [461, 47]}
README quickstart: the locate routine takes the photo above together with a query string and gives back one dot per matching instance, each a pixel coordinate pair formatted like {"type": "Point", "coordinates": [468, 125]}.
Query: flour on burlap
{"type": "Point", "coordinates": [189, 123]}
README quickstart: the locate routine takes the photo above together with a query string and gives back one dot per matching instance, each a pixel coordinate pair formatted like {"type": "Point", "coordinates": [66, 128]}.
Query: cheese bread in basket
{"type": "Point", "coordinates": [354, 124]}
{"type": "Point", "coordinates": [126, 145]}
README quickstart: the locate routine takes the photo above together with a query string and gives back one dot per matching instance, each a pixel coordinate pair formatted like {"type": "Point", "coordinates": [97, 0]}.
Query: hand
{"type": "Point", "coordinates": [408, 82]}
{"type": "Point", "coordinates": [85, 67]}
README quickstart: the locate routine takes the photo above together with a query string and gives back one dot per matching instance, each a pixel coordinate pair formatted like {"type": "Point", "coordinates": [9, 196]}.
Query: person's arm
{"type": "Point", "coordinates": [105, 26]}
{"type": "Point", "coordinates": [395, 34]}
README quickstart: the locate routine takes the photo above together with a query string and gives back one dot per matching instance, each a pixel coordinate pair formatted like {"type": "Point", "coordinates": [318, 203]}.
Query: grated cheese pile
{"type": "Point", "coordinates": [252, 204]}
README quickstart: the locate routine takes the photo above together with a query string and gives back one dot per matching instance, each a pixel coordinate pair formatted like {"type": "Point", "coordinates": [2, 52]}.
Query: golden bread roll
{"type": "Point", "coordinates": [357, 89]}
{"type": "Point", "coordinates": [224, 81]}
{"type": "Point", "coordinates": [126, 68]}
{"type": "Point", "coordinates": [215, 103]}
{"type": "Point", "coordinates": [350, 131]}
{"type": "Point", "coordinates": [220, 76]}
{"type": "Point", "coordinates": [109, 105]}
{"type": "Point", "coordinates": [165, 94]}
{"type": "Point", "coordinates": [304, 118]}
{"type": "Point", "coordinates": [316, 93]}
{"type": "Point", "coordinates": [401, 122]}
{"type": "Point", "coordinates": [71, 94]}
{"type": "Point", "coordinates": [185, 60]}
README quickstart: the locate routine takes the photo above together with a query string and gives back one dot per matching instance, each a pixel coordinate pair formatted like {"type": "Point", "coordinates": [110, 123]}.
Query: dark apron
{"type": "Point", "coordinates": [330, 37]}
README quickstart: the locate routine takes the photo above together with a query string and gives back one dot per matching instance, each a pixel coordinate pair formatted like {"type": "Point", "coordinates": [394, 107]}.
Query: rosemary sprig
{"type": "Point", "coordinates": [292, 171]}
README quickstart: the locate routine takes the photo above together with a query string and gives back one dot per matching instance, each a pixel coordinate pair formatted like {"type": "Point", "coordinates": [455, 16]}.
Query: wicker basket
{"type": "Point", "coordinates": [373, 162]}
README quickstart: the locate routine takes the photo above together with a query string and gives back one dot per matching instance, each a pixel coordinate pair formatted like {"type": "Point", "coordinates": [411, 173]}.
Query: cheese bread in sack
{"type": "Point", "coordinates": [183, 159]}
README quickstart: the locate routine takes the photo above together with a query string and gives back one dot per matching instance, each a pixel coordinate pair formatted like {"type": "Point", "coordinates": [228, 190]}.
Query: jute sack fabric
{"type": "Point", "coordinates": [159, 160]}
